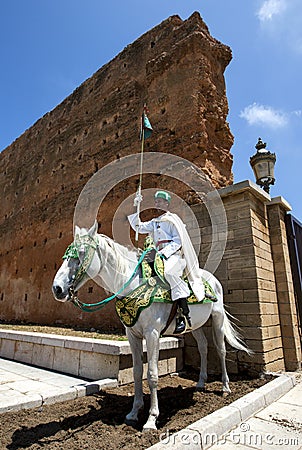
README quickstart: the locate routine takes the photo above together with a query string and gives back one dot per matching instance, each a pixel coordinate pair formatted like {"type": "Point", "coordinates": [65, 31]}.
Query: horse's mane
{"type": "Point", "coordinates": [121, 254]}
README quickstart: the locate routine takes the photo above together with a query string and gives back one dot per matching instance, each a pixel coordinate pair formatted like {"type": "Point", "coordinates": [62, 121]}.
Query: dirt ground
{"type": "Point", "coordinates": [65, 331]}
{"type": "Point", "coordinates": [96, 422]}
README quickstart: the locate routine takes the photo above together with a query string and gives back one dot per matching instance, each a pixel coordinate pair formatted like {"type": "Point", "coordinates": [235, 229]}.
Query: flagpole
{"type": "Point", "coordinates": [146, 131]}
{"type": "Point", "coordinates": [139, 191]}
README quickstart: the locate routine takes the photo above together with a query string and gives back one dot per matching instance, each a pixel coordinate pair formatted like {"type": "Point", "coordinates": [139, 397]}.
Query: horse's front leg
{"type": "Point", "coordinates": [136, 345]}
{"type": "Point", "coordinates": [152, 342]}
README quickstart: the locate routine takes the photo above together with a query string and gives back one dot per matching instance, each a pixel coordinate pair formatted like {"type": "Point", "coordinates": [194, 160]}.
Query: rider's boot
{"type": "Point", "coordinates": [183, 320]}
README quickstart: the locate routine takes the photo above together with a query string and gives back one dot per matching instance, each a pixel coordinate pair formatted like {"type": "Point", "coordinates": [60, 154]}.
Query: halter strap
{"type": "Point", "coordinates": [91, 244]}
{"type": "Point", "coordinates": [72, 251]}
{"type": "Point", "coordinates": [92, 307]}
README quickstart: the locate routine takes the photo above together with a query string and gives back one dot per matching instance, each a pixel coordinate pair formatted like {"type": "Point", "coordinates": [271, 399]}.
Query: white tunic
{"type": "Point", "coordinates": [168, 241]}
{"type": "Point", "coordinates": [180, 253]}
{"type": "Point", "coordinates": [161, 231]}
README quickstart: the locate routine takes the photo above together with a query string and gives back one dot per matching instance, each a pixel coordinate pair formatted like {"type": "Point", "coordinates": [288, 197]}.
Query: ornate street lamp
{"type": "Point", "coordinates": [263, 164]}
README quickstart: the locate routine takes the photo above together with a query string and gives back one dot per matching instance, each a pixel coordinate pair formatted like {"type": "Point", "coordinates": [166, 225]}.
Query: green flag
{"type": "Point", "coordinates": [146, 128]}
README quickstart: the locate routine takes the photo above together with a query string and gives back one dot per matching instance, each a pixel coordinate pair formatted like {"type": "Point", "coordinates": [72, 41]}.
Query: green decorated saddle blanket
{"type": "Point", "coordinates": [152, 288]}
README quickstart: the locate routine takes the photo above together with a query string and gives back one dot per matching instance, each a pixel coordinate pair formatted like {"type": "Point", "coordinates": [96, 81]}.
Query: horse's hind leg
{"type": "Point", "coordinates": [203, 351]}
{"type": "Point", "coordinates": [218, 336]}
{"type": "Point", "coordinates": [136, 345]}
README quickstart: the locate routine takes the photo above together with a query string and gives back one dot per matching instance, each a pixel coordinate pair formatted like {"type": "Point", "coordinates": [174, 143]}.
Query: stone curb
{"type": "Point", "coordinates": [199, 434]}
{"type": "Point", "coordinates": [87, 358]}
{"type": "Point", "coordinates": [55, 395]}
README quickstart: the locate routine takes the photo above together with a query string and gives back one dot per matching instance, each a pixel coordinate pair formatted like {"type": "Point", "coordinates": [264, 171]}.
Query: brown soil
{"type": "Point", "coordinates": [96, 422]}
{"type": "Point", "coordinates": [65, 331]}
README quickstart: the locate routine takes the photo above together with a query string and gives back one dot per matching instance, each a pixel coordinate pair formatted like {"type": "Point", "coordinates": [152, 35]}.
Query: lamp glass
{"type": "Point", "coordinates": [264, 170]}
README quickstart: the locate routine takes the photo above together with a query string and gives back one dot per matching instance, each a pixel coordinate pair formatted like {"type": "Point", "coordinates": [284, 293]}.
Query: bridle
{"type": "Point", "coordinates": [73, 252]}
{"type": "Point", "coordinates": [91, 245]}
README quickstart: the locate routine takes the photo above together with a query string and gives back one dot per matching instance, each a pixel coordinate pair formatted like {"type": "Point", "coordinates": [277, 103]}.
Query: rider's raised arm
{"type": "Point", "coordinates": [143, 227]}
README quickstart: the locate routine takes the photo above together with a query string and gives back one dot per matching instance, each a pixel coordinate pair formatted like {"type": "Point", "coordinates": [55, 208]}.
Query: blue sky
{"type": "Point", "coordinates": [49, 47]}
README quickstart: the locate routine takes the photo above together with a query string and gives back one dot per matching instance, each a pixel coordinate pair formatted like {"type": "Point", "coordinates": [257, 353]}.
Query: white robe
{"type": "Point", "coordinates": [170, 227]}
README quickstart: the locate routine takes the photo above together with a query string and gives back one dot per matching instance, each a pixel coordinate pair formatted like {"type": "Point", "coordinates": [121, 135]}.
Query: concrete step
{"type": "Point", "coordinates": [94, 359]}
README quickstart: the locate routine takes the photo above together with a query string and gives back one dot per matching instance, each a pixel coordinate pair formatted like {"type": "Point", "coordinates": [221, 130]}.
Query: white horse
{"type": "Point", "coordinates": [115, 265]}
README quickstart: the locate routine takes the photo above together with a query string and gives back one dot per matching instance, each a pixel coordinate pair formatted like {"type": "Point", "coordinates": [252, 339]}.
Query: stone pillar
{"type": "Point", "coordinates": [257, 286]}
{"type": "Point", "coordinates": [277, 209]}
{"type": "Point", "coordinates": [250, 284]}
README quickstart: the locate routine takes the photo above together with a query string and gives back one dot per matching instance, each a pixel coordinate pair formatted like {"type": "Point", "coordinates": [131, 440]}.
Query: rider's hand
{"type": "Point", "coordinates": [138, 199]}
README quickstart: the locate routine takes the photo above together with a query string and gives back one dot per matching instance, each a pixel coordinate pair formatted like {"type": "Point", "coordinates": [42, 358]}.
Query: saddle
{"type": "Point", "coordinates": [153, 288]}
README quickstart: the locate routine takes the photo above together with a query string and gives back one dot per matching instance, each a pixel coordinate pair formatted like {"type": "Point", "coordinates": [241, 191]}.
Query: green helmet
{"type": "Point", "coordinates": [163, 194]}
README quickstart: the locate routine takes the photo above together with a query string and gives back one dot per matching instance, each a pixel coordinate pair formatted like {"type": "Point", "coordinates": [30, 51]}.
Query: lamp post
{"type": "Point", "coordinates": [263, 164]}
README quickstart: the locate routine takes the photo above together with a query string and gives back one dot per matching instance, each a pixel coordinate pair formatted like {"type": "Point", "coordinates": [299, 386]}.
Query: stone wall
{"type": "Point", "coordinates": [178, 69]}
{"type": "Point", "coordinates": [256, 277]}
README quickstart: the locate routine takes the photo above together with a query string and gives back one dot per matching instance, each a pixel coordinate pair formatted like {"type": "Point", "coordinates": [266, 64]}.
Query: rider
{"type": "Point", "coordinates": [171, 238]}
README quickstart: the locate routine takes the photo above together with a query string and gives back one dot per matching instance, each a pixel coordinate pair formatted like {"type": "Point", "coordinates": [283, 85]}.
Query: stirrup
{"type": "Point", "coordinates": [180, 327]}
{"type": "Point", "coordinates": [180, 322]}
{"type": "Point", "coordinates": [188, 323]}
{"type": "Point", "coordinates": [181, 319]}
{"type": "Point", "coordinates": [186, 327]}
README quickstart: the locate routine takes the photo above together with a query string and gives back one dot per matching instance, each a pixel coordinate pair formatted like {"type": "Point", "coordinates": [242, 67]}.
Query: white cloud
{"type": "Point", "coordinates": [264, 115]}
{"type": "Point", "coordinates": [271, 8]}
{"type": "Point", "coordinates": [281, 21]}
{"type": "Point", "coordinates": [297, 113]}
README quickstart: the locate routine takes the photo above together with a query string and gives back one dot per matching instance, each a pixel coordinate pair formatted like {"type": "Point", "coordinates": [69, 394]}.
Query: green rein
{"type": "Point", "coordinates": [90, 246]}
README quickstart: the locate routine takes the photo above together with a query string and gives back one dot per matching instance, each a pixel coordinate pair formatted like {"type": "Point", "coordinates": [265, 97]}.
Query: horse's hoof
{"type": "Point", "coordinates": [131, 422]}
{"type": "Point", "coordinates": [150, 425]}
{"type": "Point", "coordinates": [149, 428]}
{"type": "Point", "coordinates": [200, 389]}
{"type": "Point", "coordinates": [225, 393]}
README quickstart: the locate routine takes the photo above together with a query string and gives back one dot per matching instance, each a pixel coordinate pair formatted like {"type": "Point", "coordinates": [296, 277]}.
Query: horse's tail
{"type": "Point", "coordinates": [232, 336]}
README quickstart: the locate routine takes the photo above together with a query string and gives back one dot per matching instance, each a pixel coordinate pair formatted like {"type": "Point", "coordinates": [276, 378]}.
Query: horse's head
{"type": "Point", "coordinates": [80, 262]}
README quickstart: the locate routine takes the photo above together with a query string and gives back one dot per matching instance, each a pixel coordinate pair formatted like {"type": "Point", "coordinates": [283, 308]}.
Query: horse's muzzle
{"type": "Point", "coordinates": [59, 294]}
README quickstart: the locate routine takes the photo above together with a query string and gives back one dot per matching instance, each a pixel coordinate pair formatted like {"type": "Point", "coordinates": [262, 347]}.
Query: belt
{"type": "Point", "coordinates": [159, 243]}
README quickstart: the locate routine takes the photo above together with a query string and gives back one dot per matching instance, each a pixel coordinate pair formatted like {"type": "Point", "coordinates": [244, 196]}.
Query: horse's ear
{"type": "Point", "coordinates": [93, 230]}
{"type": "Point", "coordinates": [77, 230]}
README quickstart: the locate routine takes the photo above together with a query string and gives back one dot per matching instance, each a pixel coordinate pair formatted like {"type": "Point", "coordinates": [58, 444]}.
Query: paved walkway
{"type": "Point", "coordinates": [23, 386]}
{"type": "Point", "coordinates": [268, 418]}
{"type": "Point", "coordinates": [278, 426]}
